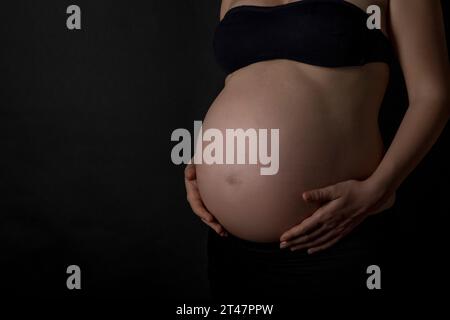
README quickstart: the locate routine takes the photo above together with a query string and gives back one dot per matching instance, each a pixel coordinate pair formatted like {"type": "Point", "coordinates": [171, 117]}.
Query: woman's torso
{"type": "Point", "coordinates": [328, 132]}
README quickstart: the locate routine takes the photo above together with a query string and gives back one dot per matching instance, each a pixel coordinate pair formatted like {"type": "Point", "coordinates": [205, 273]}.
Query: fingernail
{"type": "Point", "coordinates": [283, 244]}
{"type": "Point", "coordinates": [310, 251]}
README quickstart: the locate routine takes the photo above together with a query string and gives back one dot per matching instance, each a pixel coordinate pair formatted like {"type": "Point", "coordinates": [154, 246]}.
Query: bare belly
{"type": "Point", "coordinates": [328, 132]}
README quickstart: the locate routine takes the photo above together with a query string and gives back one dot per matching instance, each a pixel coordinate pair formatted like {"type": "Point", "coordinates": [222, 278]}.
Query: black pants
{"type": "Point", "coordinates": [242, 269]}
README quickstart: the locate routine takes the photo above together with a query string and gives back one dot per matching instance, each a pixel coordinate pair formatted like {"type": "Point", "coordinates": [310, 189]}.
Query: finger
{"type": "Point", "coordinates": [190, 172]}
{"type": "Point", "coordinates": [216, 227]}
{"type": "Point", "coordinates": [331, 242]}
{"type": "Point", "coordinates": [199, 208]}
{"type": "Point", "coordinates": [321, 195]}
{"type": "Point", "coordinates": [311, 223]}
{"type": "Point", "coordinates": [325, 245]}
{"type": "Point", "coordinates": [306, 226]}
{"type": "Point", "coordinates": [306, 238]}
{"type": "Point", "coordinates": [191, 186]}
{"type": "Point", "coordinates": [325, 238]}
{"type": "Point", "coordinates": [195, 201]}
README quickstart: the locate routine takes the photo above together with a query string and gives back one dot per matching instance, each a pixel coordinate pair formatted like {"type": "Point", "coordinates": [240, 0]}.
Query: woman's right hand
{"type": "Point", "coordinates": [196, 203]}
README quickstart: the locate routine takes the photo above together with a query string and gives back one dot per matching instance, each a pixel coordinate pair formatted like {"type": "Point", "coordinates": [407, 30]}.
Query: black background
{"type": "Point", "coordinates": [85, 171]}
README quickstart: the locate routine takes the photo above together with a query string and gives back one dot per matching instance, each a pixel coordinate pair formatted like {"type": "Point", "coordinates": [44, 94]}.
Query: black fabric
{"type": "Point", "coordinates": [242, 269]}
{"type": "Point", "coordinates": [329, 33]}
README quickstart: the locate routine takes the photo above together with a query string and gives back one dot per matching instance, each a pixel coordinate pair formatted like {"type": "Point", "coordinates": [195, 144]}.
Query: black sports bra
{"type": "Point", "coordinates": [328, 33]}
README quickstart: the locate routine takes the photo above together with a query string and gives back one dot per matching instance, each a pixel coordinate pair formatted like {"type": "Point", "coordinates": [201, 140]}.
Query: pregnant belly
{"type": "Point", "coordinates": [320, 143]}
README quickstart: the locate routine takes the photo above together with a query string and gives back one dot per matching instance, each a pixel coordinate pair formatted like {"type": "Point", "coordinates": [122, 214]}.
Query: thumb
{"type": "Point", "coordinates": [190, 172]}
{"type": "Point", "coordinates": [321, 195]}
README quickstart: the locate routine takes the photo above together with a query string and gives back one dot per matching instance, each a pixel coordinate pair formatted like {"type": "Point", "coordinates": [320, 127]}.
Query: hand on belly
{"type": "Point", "coordinates": [344, 206]}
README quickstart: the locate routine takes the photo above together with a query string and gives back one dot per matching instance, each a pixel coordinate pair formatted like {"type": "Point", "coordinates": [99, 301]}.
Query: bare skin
{"type": "Point", "coordinates": [334, 170]}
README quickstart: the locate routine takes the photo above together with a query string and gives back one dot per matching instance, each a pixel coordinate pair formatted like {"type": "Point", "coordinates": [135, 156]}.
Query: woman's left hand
{"type": "Point", "coordinates": [344, 206]}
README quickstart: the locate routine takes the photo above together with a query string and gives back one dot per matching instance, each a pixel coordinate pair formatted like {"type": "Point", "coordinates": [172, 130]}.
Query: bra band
{"type": "Point", "coordinates": [328, 33]}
